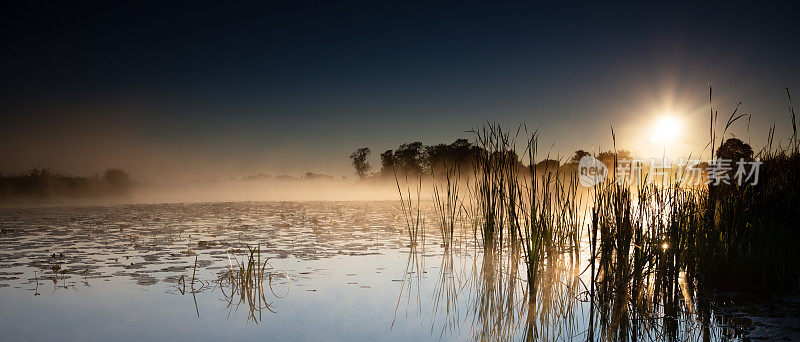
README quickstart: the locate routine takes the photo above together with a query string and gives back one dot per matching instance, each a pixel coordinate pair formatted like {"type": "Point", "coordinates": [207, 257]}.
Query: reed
{"type": "Point", "coordinates": [488, 178]}
{"type": "Point", "coordinates": [639, 238]}
{"type": "Point", "coordinates": [446, 201]}
{"type": "Point", "coordinates": [753, 232]}
{"type": "Point", "coordinates": [654, 246]}
{"type": "Point", "coordinates": [247, 282]}
{"type": "Point", "coordinates": [748, 239]}
{"type": "Point", "coordinates": [445, 295]}
{"type": "Point", "coordinates": [538, 208]}
{"type": "Point", "coordinates": [411, 209]}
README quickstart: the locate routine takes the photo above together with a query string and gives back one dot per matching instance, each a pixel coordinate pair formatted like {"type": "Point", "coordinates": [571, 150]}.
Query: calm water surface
{"type": "Point", "coordinates": [333, 271]}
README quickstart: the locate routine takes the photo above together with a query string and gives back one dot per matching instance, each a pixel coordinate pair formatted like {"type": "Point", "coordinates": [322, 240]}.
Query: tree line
{"type": "Point", "coordinates": [416, 158]}
{"type": "Point", "coordinates": [44, 184]}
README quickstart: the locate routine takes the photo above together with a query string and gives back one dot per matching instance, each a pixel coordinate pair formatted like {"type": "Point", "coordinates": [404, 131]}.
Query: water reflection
{"type": "Point", "coordinates": [449, 285]}
{"type": "Point", "coordinates": [247, 281]}
{"type": "Point", "coordinates": [266, 264]}
{"type": "Point", "coordinates": [410, 288]}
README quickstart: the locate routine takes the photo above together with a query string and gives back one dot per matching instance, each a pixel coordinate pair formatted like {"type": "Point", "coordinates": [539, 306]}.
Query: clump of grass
{"type": "Point", "coordinates": [748, 239]}
{"type": "Point", "coordinates": [640, 238]}
{"type": "Point", "coordinates": [490, 172]}
{"type": "Point", "coordinates": [538, 208]}
{"type": "Point", "coordinates": [753, 228]}
{"type": "Point", "coordinates": [246, 282]}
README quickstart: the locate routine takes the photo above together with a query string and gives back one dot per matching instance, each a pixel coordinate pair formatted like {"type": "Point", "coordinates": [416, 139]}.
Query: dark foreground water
{"type": "Point", "coordinates": [332, 271]}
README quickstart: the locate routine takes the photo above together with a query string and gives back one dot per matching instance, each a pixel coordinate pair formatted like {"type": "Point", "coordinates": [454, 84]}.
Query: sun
{"type": "Point", "coordinates": [666, 129]}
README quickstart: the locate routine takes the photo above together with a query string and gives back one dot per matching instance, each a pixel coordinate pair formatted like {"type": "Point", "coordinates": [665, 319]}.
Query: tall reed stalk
{"type": "Point", "coordinates": [446, 201]}
{"type": "Point", "coordinates": [412, 214]}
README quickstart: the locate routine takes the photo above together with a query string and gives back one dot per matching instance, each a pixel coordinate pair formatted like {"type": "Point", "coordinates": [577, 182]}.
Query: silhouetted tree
{"type": "Point", "coordinates": [461, 152]}
{"type": "Point", "coordinates": [408, 157]}
{"type": "Point", "coordinates": [607, 157]}
{"type": "Point", "coordinates": [735, 149]}
{"type": "Point", "coordinates": [387, 163]}
{"type": "Point", "coordinates": [506, 157]}
{"type": "Point", "coordinates": [547, 164]}
{"type": "Point", "coordinates": [118, 180]}
{"type": "Point", "coordinates": [464, 152]}
{"type": "Point", "coordinates": [116, 177]}
{"type": "Point", "coordinates": [360, 162]}
{"type": "Point", "coordinates": [435, 156]}
{"type": "Point", "coordinates": [578, 155]}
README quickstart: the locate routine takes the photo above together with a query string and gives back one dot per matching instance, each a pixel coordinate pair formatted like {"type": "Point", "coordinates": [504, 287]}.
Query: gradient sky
{"type": "Point", "coordinates": [194, 90]}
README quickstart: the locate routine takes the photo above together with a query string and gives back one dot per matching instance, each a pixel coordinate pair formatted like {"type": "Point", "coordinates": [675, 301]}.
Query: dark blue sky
{"type": "Point", "coordinates": [215, 90]}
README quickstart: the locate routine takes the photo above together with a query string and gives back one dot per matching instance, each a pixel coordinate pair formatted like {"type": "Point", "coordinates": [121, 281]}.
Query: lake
{"type": "Point", "coordinates": [324, 271]}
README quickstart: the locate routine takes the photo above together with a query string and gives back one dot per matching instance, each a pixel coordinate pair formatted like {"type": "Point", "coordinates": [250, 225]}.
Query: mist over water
{"type": "Point", "coordinates": [236, 190]}
{"type": "Point", "coordinates": [230, 191]}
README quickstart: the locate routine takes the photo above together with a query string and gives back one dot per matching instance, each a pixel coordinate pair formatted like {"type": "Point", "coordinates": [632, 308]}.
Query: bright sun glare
{"type": "Point", "coordinates": [666, 129]}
